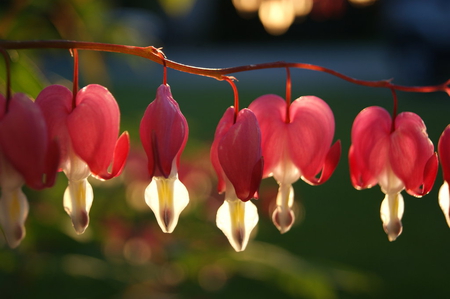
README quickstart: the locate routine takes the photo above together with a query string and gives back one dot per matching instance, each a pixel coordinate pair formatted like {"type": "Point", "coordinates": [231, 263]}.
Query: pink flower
{"type": "Point", "coordinates": [164, 133]}
{"type": "Point", "coordinates": [295, 147]}
{"type": "Point", "coordinates": [237, 159]}
{"type": "Point", "coordinates": [87, 132]}
{"type": "Point", "coordinates": [396, 155]}
{"type": "Point", "coordinates": [26, 157]}
{"type": "Point", "coordinates": [444, 156]}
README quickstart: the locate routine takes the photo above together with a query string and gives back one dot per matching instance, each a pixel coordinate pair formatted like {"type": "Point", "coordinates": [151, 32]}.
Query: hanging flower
{"type": "Point", "coordinates": [444, 156]}
{"type": "Point", "coordinates": [296, 144]}
{"type": "Point", "coordinates": [396, 155]}
{"type": "Point", "coordinates": [87, 128]}
{"type": "Point", "coordinates": [26, 157]}
{"type": "Point", "coordinates": [237, 159]}
{"type": "Point", "coordinates": [164, 133]}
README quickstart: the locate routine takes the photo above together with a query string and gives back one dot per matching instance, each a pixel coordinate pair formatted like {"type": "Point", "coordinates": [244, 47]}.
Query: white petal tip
{"type": "Point", "coordinates": [391, 213]}
{"type": "Point", "coordinates": [80, 222]}
{"type": "Point", "coordinates": [78, 199]}
{"type": "Point", "coordinates": [167, 221]}
{"type": "Point", "coordinates": [15, 236]}
{"type": "Point", "coordinates": [237, 220]}
{"type": "Point", "coordinates": [13, 213]}
{"type": "Point", "coordinates": [393, 235]}
{"type": "Point", "coordinates": [167, 198]}
{"type": "Point", "coordinates": [283, 219]}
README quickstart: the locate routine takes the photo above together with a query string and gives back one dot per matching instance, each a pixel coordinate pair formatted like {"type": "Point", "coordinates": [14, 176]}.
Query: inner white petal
{"type": "Point", "coordinates": [444, 201]}
{"type": "Point", "coordinates": [286, 172]}
{"type": "Point", "coordinates": [75, 168]}
{"type": "Point", "coordinates": [389, 182]}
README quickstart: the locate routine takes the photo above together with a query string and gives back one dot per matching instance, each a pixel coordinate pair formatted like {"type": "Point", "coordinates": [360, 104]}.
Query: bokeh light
{"type": "Point", "coordinates": [276, 15]}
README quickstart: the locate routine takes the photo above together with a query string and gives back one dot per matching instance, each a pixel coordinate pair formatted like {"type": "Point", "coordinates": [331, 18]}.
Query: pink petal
{"type": "Point", "coordinates": [240, 156]}
{"type": "Point", "coordinates": [55, 102]}
{"type": "Point", "coordinates": [2, 106]}
{"type": "Point", "coordinates": [311, 134]}
{"type": "Point", "coordinates": [368, 154]}
{"type": "Point", "coordinates": [24, 140]}
{"type": "Point", "coordinates": [444, 153]}
{"type": "Point", "coordinates": [412, 154]}
{"type": "Point", "coordinates": [270, 110]}
{"type": "Point", "coordinates": [164, 132]}
{"type": "Point", "coordinates": [120, 156]}
{"type": "Point", "coordinates": [222, 128]}
{"type": "Point", "coordinates": [52, 161]}
{"type": "Point", "coordinates": [330, 164]}
{"type": "Point", "coordinates": [429, 175]}
{"type": "Point", "coordinates": [305, 141]}
{"type": "Point", "coordinates": [93, 127]}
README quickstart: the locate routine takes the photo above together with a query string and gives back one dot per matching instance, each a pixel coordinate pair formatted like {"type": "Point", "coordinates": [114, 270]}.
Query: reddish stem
{"type": "Point", "coordinates": [394, 110]}
{"type": "Point", "coordinates": [236, 96]}
{"type": "Point", "coordinates": [163, 58]}
{"type": "Point", "coordinates": [152, 53]}
{"type": "Point", "coordinates": [75, 77]}
{"type": "Point", "coordinates": [288, 95]}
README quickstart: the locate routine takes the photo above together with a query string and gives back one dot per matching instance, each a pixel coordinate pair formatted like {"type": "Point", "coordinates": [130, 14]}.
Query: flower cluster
{"type": "Point", "coordinates": [394, 153]}
{"type": "Point", "coordinates": [59, 131]}
{"type": "Point", "coordinates": [77, 132]}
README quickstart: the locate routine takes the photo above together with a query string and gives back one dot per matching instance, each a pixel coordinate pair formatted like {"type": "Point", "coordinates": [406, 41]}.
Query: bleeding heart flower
{"type": "Point", "coordinates": [26, 157]}
{"type": "Point", "coordinates": [164, 133]}
{"type": "Point", "coordinates": [295, 147]}
{"type": "Point", "coordinates": [396, 155]}
{"type": "Point", "coordinates": [237, 159]}
{"type": "Point", "coordinates": [87, 131]}
{"type": "Point", "coordinates": [444, 156]}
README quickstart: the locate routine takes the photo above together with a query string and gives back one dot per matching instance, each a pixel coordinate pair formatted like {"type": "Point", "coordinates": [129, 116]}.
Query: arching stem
{"type": "Point", "coordinates": [152, 53]}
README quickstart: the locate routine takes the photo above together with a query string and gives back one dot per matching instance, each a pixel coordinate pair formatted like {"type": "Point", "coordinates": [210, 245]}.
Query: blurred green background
{"type": "Point", "coordinates": [336, 249]}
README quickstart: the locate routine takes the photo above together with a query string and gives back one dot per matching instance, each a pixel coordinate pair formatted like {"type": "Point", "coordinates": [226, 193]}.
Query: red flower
{"type": "Point", "coordinates": [237, 159]}
{"type": "Point", "coordinates": [298, 147]}
{"type": "Point", "coordinates": [26, 157]}
{"type": "Point", "coordinates": [87, 132]}
{"type": "Point", "coordinates": [396, 156]}
{"type": "Point", "coordinates": [444, 156]}
{"type": "Point", "coordinates": [164, 133]}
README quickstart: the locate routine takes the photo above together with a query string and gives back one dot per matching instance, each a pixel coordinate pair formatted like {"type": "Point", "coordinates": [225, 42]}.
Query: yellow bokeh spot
{"type": "Point", "coordinates": [246, 6]}
{"type": "Point", "coordinates": [276, 16]}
